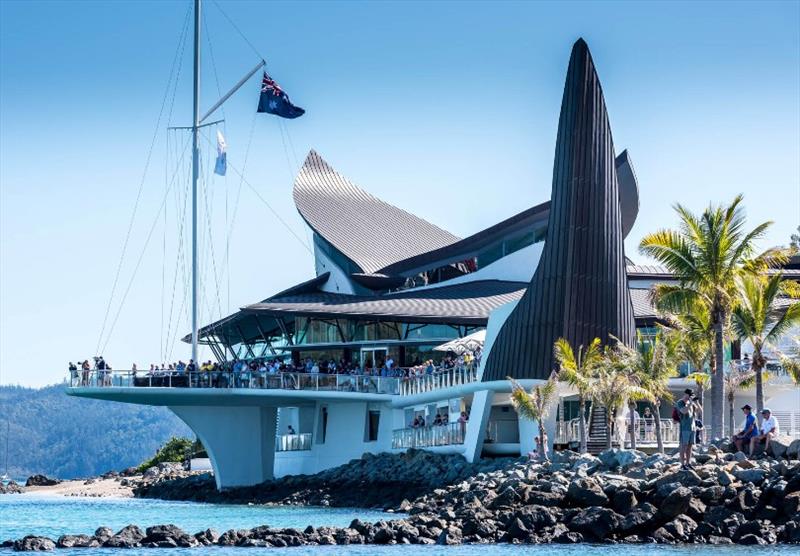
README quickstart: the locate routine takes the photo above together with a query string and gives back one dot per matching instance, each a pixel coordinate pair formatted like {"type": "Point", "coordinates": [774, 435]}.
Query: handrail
{"type": "Point", "coordinates": [234, 379]}
{"type": "Point", "coordinates": [293, 442]}
{"type": "Point", "coordinates": [443, 378]}
{"type": "Point", "coordinates": [431, 435]}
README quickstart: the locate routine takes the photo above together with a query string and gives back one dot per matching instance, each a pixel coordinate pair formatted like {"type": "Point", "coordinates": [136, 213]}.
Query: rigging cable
{"type": "Point", "coordinates": [263, 200]}
{"type": "Point", "coordinates": [250, 44]}
{"type": "Point", "coordinates": [181, 41]}
{"type": "Point", "coordinates": [139, 260]}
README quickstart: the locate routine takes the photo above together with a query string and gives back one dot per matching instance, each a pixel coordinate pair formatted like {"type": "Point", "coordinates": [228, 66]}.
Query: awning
{"type": "Point", "coordinates": [465, 344]}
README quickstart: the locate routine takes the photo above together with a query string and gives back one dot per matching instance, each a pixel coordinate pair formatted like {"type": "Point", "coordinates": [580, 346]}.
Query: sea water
{"type": "Point", "coordinates": [51, 516]}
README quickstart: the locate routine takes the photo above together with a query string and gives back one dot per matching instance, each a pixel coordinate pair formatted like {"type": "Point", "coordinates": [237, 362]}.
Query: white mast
{"type": "Point", "coordinates": [195, 172]}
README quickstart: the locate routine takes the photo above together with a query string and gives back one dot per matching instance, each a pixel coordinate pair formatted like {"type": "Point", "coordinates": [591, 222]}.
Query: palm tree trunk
{"type": "Point", "coordinates": [542, 448]}
{"type": "Point", "coordinates": [756, 366]}
{"type": "Point", "coordinates": [718, 379]}
{"type": "Point", "coordinates": [730, 415]}
{"type": "Point", "coordinates": [609, 432]}
{"type": "Point", "coordinates": [632, 407]}
{"type": "Point", "coordinates": [657, 415]}
{"type": "Point", "coordinates": [582, 423]}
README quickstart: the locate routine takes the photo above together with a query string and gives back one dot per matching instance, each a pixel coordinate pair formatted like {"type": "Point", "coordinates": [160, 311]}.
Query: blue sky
{"type": "Point", "coordinates": [448, 110]}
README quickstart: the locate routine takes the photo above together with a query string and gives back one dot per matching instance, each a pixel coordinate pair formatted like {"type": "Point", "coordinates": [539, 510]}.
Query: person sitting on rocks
{"type": "Point", "coordinates": [749, 429]}
{"type": "Point", "coordinates": [769, 430]}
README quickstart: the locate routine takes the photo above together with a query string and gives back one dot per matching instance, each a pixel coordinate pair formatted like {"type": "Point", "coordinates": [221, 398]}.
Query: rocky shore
{"type": "Point", "coordinates": [621, 496]}
{"type": "Point", "coordinates": [373, 481]}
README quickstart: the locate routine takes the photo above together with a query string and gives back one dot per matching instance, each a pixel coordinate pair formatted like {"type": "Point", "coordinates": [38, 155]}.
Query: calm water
{"type": "Point", "coordinates": [52, 516]}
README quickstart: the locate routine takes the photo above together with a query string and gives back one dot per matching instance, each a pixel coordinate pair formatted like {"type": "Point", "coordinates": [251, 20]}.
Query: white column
{"type": "Point", "coordinates": [240, 441]}
{"type": "Point", "coordinates": [476, 428]}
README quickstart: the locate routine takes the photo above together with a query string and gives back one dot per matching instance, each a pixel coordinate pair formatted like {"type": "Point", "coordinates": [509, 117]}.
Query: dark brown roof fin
{"type": "Point", "coordinates": [579, 290]}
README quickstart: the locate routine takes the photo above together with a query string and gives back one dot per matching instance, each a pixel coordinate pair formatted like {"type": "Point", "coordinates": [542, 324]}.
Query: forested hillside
{"type": "Point", "coordinates": [61, 436]}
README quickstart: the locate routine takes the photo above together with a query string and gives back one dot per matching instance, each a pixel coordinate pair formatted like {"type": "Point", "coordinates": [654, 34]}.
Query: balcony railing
{"type": "Point", "coordinates": [426, 437]}
{"type": "Point", "coordinates": [444, 378]}
{"type": "Point", "coordinates": [645, 430]}
{"type": "Point", "coordinates": [293, 442]}
{"type": "Point", "coordinates": [229, 379]}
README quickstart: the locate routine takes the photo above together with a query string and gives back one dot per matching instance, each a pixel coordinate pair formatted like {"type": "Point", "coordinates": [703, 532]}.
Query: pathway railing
{"type": "Point", "coordinates": [230, 379]}
{"type": "Point", "coordinates": [426, 437]}
{"type": "Point", "coordinates": [293, 442]}
{"type": "Point", "coordinates": [443, 378]}
{"type": "Point", "coordinates": [645, 430]}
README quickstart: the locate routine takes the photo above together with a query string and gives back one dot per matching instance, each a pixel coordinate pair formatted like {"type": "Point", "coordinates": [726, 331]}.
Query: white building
{"type": "Point", "coordinates": [389, 289]}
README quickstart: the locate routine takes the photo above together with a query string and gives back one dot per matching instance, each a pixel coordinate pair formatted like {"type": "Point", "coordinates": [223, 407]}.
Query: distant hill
{"type": "Point", "coordinates": [67, 437]}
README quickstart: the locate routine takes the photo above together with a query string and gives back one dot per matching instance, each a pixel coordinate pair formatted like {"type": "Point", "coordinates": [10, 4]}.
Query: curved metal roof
{"type": "Point", "coordinates": [371, 233]}
{"type": "Point", "coordinates": [467, 303]}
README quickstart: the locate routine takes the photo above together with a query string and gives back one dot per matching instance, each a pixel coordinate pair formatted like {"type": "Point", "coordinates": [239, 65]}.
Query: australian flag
{"type": "Point", "coordinates": [274, 101]}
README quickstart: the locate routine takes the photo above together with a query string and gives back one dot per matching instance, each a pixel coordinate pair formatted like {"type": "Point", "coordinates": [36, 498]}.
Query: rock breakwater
{"type": "Point", "coordinates": [373, 481]}
{"type": "Point", "coordinates": [620, 496]}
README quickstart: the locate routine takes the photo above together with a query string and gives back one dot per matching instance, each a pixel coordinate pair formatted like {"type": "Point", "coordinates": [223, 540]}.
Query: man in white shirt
{"type": "Point", "coordinates": [769, 430]}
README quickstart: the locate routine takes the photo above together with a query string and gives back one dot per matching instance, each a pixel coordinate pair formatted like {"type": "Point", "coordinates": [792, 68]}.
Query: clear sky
{"type": "Point", "coordinates": [448, 110]}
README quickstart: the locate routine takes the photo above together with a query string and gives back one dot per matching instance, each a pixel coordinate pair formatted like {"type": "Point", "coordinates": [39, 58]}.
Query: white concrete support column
{"type": "Point", "coordinates": [478, 421]}
{"type": "Point", "coordinates": [528, 430]}
{"type": "Point", "coordinates": [240, 441]}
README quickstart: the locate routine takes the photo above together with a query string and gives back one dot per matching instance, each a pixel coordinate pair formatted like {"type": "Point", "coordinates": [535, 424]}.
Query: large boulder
{"type": "Point", "coordinates": [168, 536]}
{"type": "Point", "coordinates": [685, 477]}
{"type": "Point", "coordinates": [676, 503]}
{"type": "Point", "coordinates": [793, 451]}
{"type": "Point", "coordinates": [77, 541]}
{"type": "Point", "coordinates": [595, 523]}
{"type": "Point", "coordinates": [584, 492]}
{"type": "Point", "coordinates": [32, 543]}
{"type": "Point", "coordinates": [40, 480]}
{"type": "Point", "coordinates": [127, 537]}
{"type": "Point", "coordinates": [778, 446]}
{"type": "Point", "coordinates": [755, 476]}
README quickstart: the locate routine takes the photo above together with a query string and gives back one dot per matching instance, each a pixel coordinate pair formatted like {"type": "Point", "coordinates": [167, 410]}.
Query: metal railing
{"type": "Point", "coordinates": [788, 422]}
{"type": "Point", "coordinates": [426, 437]}
{"type": "Point", "coordinates": [774, 367]}
{"type": "Point", "coordinates": [444, 378]}
{"type": "Point", "coordinates": [293, 442]}
{"type": "Point", "coordinates": [645, 430]}
{"type": "Point", "coordinates": [230, 379]}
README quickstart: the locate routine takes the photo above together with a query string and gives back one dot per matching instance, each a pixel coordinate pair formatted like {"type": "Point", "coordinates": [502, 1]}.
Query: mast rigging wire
{"type": "Point", "coordinates": [175, 60]}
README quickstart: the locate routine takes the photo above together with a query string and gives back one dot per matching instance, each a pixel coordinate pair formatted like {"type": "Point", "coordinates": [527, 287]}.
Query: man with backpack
{"type": "Point", "coordinates": [687, 410]}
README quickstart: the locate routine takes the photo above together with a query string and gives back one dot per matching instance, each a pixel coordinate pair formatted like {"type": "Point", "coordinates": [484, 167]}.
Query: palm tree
{"type": "Point", "coordinates": [577, 370]}
{"type": "Point", "coordinates": [707, 254]}
{"type": "Point", "coordinates": [534, 406]}
{"type": "Point", "coordinates": [694, 332]}
{"type": "Point", "coordinates": [756, 319]}
{"type": "Point", "coordinates": [614, 384]}
{"type": "Point", "coordinates": [651, 364]}
{"type": "Point", "coordinates": [735, 380]}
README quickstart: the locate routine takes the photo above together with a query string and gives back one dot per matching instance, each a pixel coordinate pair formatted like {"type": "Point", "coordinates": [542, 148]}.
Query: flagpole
{"type": "Point", "coordinates": [195, 172]}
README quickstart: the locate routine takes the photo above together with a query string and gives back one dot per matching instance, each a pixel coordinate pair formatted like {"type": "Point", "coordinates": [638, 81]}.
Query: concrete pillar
{"type": "Point", "coordinates": [240, 441]}
{"type": "Point", "coordinates": [476, 428]}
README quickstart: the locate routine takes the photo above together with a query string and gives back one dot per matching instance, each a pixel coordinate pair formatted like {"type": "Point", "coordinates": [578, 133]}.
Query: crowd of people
{"type": "Point", "coordinates": [239, 372]}
{"type": "Point", "coordinates": [441, 419]}
{"type": "Point", "coordinates": [750, 436]}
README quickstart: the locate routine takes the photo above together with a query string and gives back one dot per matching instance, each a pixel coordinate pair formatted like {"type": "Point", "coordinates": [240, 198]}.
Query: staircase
{"type": "Point", "coordinates": [598, 430]}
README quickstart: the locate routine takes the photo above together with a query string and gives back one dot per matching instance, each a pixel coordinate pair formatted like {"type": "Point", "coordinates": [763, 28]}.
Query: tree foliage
{"type": "Point", "coordinates": [175, 449]}
{"type": "Point", "coordinates": [706, 254]}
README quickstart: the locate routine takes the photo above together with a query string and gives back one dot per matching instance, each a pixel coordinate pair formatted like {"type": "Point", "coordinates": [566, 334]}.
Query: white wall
{"type": "Point", "coordinates": [339, 281]}
{"type": "Point", "coordinates": [344, 441]}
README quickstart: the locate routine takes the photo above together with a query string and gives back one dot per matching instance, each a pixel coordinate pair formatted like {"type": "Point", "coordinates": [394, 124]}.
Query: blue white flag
{"type": "Point", "coordinates": [222, 155]}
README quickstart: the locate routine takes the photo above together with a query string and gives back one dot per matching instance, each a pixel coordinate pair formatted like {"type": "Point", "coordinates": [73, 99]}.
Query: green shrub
{"type": "Point", "coordinates": [175, 449]}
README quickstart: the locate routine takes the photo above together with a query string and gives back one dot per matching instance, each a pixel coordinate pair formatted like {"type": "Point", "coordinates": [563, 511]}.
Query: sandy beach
{"type": "Point", "coordinates": [96, 488]}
